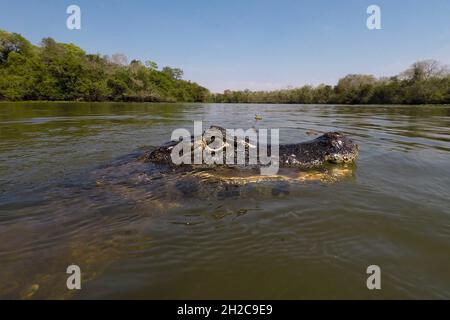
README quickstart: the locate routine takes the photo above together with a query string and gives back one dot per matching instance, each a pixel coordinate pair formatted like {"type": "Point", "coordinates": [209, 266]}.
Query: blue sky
{"type": "Point", "coordinates": [254, 44]}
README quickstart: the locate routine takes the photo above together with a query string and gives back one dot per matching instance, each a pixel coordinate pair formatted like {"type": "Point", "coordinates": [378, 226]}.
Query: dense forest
{"type": "Point", "coordinates": [59, 71]}
{"type": "Point", "coordinates": [425, 82]}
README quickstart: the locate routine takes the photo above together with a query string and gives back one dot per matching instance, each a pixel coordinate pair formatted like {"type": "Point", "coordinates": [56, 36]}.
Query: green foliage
{"type": "Point", "coordinates": [151, 65]}
{"type": "Point", "coordinates": [423, 83]}
{"type": "Point", "coordinates": [174, 73]}
{"type": "Point", "coordinates": [59, 71]}
{"type": "Point", "coordinates": [13, 42]}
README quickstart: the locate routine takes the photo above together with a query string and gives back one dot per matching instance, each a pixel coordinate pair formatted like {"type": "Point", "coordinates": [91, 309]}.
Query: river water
{"type": "Point", "coordinates": [315, 241]}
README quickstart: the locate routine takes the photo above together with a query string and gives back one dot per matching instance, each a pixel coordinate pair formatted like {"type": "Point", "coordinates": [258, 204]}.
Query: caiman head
{"type": "Point", "coordinates": [332, 147]}
{"type": "Point", "coordinates": [337, 148]}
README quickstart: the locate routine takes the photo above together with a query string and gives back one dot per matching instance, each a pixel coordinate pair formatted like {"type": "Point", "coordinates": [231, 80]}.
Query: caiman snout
{"type": "Point", "coordinates": [338, 147]}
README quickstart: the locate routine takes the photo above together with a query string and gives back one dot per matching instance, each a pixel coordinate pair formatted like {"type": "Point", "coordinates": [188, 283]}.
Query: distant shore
{"type": "Point", "coordinates": [56, 71]}
{"type": "Point", "coordinates": [224, 103]}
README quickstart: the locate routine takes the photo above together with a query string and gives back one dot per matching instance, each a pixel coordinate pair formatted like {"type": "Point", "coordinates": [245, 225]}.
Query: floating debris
{"type": "Point", "coordinates": [29, 292]}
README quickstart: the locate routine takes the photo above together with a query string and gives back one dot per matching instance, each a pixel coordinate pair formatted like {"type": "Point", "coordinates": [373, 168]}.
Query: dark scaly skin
{"type": "Point", "coordinates": [331, 147]}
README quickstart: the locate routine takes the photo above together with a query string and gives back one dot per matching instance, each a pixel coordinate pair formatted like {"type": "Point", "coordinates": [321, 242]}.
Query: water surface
{"type": "Point", "coordinates": [315, 241]}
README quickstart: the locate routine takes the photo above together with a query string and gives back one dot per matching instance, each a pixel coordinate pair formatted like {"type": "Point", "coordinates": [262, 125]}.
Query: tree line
{"type": "Point", "coordinates": [425, 82]}
{"type": "Point", "coordinates": [59, 71]}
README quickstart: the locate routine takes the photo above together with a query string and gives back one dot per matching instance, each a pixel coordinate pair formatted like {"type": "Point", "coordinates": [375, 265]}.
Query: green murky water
{"type": "Point", "coordinates": [314, 242]}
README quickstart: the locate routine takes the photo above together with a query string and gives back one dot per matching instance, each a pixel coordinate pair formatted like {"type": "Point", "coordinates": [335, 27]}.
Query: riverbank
{"type": "Point", "coordinates": [224, 103]}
